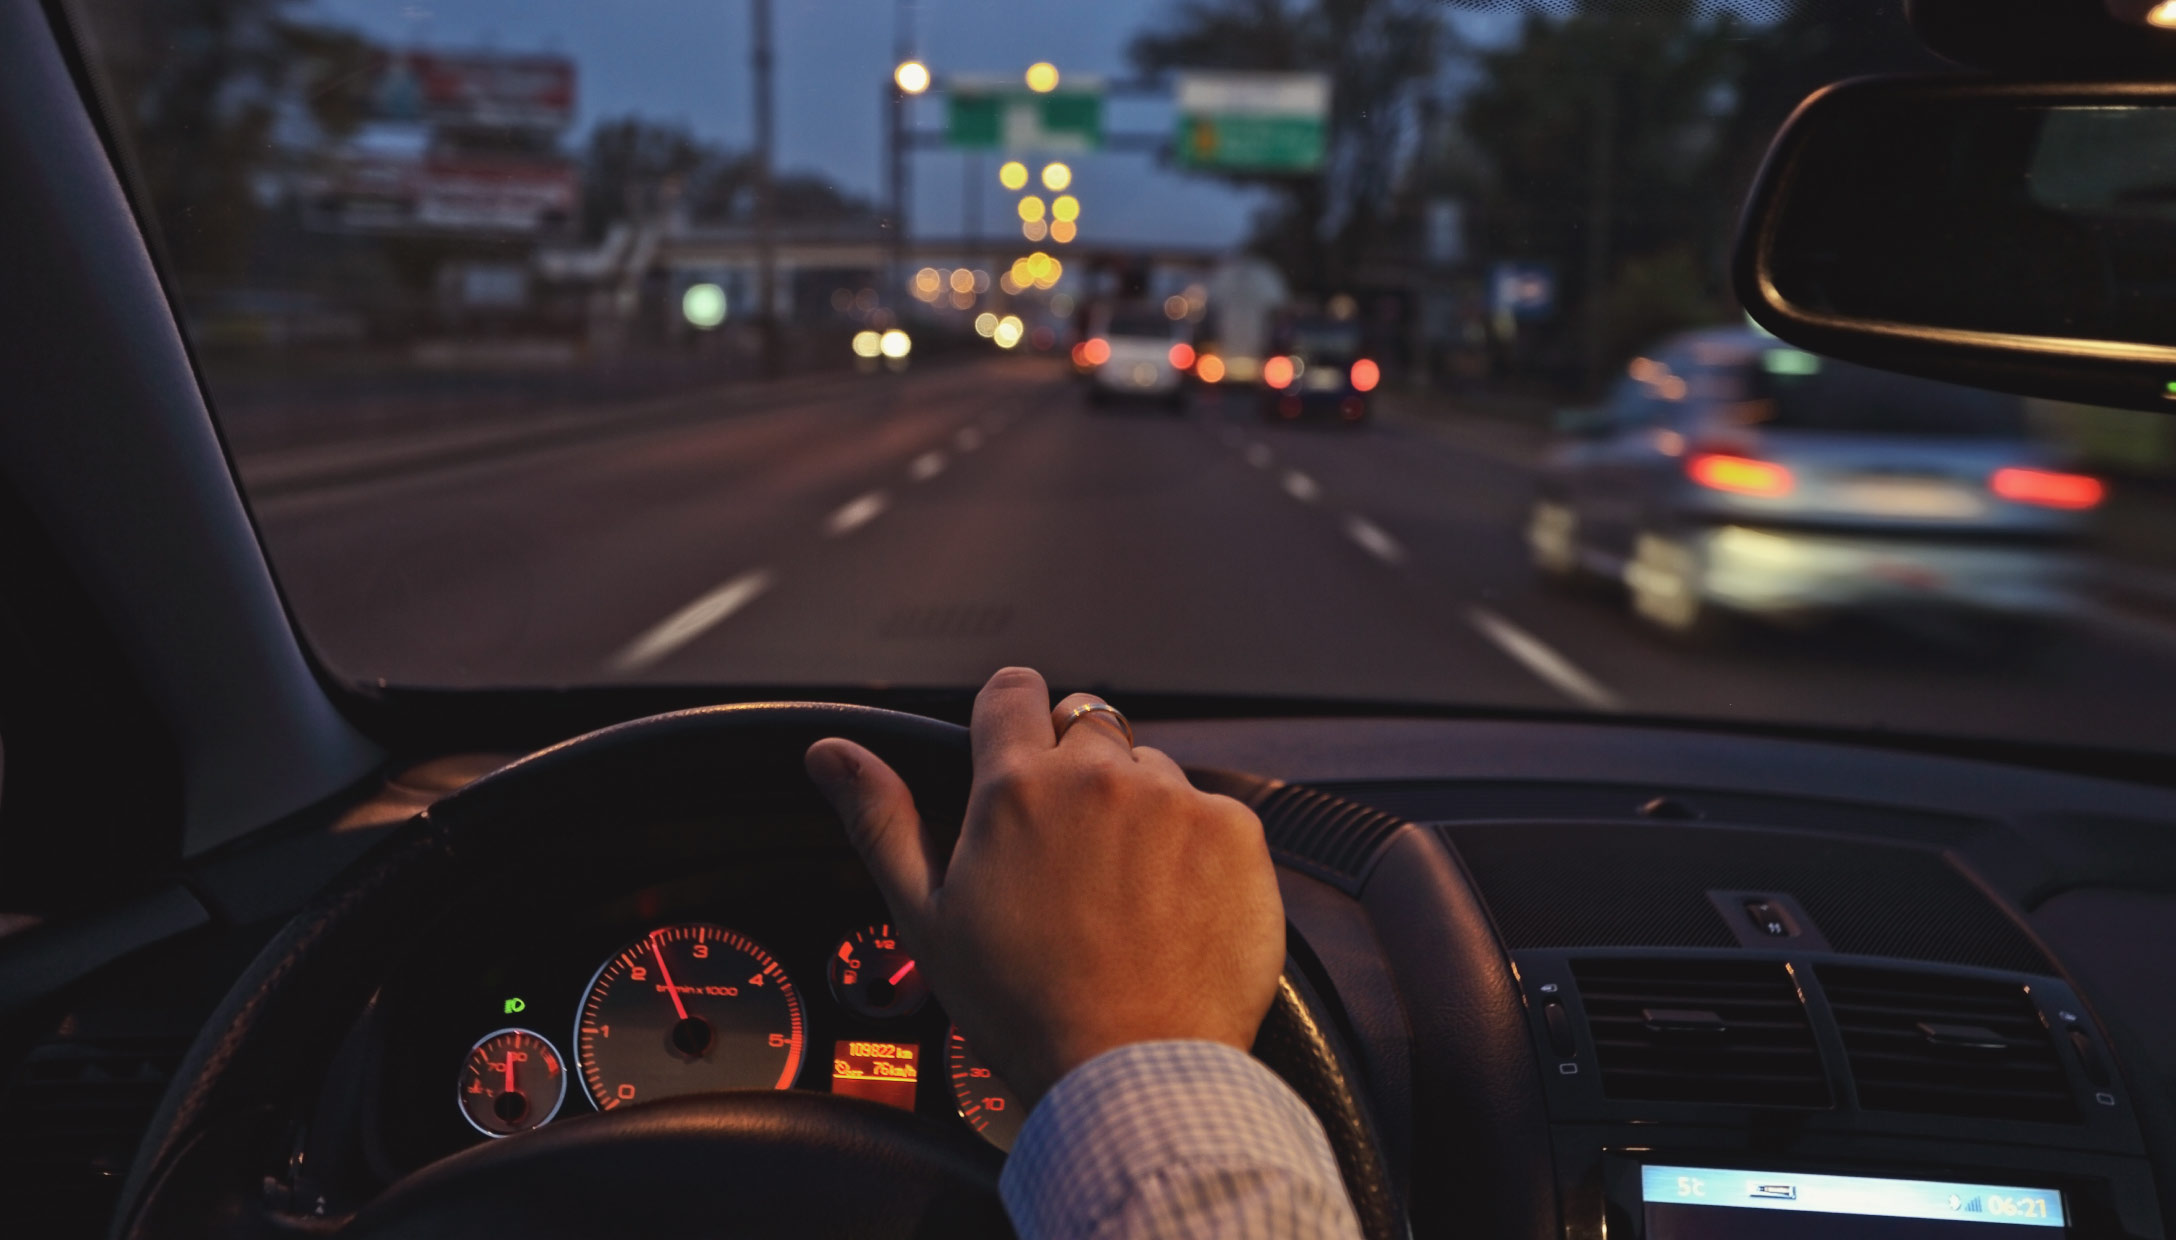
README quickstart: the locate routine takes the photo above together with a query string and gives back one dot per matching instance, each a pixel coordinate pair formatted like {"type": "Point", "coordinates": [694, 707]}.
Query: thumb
{"type": "Point", "coordinates": [878, 810]}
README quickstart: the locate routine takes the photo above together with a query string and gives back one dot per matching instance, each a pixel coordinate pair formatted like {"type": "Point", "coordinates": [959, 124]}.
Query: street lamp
{"type": "Point", "coordinates": [912, 76]}
{"type": "Point", "coordinates": [1012, 174]}
{"type": "Point", "coordinates": [1042, 77]}
{"type": "Point", "coordinates": [1056, 176]}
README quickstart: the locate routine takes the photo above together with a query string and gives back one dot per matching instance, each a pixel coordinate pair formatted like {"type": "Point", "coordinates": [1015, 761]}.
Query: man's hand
{"type": "Point", "coordinates": [1094, 899]}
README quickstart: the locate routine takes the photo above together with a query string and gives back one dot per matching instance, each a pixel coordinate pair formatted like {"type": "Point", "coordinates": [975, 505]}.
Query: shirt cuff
{"type": "Point", "coordinates": [1152, 1111]}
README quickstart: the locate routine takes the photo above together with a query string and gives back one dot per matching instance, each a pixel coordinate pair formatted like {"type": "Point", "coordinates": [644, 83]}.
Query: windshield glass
{"type": "Point", "coordinates": [753, 345]}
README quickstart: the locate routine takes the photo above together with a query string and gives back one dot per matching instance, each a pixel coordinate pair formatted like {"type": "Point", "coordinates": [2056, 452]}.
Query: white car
{"type": "Point", "coordinates": [1137, 352]}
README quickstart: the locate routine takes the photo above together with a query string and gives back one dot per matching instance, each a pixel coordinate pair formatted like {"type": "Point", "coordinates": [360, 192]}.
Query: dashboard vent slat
{"type": "Point", "coordinates": [1713, 1031]}
{"type": "Point", "coordinates": [1326, 835]}
{"type": "Point", "coordinates": [1946, 1045]}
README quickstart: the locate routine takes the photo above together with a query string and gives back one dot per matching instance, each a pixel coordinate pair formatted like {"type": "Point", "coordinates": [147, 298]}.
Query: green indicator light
{"type": "Point", "coordinates": [514, 1005]}
{"type": "Point", "coordinates": [2172, 389]}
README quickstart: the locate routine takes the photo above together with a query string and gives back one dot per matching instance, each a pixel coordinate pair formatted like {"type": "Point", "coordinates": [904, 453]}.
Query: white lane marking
{"type": "Point", "coordinates": [692, 621]}
{"type": "Point", "coordinates": [1301, 487]}
{"type": "Point", "coordinates": [1538, 657]}
{"type": "Point", "coordinates": [968, 439]}
{"type": "Point", "coordinates": [855, 513]}
{"type": "Point", "coordinates": [1258, 455]}
{"type": "Point", "coordinates": [1374, 539]}
{"type": "Point", "coordinates": [926, 466]}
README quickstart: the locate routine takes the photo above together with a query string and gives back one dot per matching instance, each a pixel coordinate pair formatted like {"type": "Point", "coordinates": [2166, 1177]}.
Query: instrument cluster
{"type": "Point", "coordinates": [658, 998]}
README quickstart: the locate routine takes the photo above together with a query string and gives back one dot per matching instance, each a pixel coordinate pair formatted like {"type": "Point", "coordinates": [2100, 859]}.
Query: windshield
{"type": "Point", "coordinates": [752, 345]}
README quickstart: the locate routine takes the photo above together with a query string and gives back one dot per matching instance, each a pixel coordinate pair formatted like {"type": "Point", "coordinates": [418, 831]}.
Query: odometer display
{"type": "Point", "coordinates": [688, 1009]}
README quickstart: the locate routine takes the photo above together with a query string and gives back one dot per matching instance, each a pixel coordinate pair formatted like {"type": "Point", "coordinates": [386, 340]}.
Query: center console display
{"type": "Point", "coordinates": [1714, 1203]}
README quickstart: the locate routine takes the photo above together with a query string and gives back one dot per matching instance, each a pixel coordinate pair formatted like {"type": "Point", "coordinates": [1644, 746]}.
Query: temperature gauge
{"type": "Point", "coordinates": [512, 1081]}
{"type": "Point", "coordinates": [872, 974]}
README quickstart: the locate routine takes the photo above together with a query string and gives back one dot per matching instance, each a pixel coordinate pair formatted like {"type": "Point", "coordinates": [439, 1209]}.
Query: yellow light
{"type": "Point", "coordinates": [1031, 208]}
{"type": "Point", "coordinates": [963, 280]}
{"type": "Point", "coordinates": [1034, 230]}
{"type": "Point", "coordinates": [985, 323]}
{"type": "Point", "coordinates": [912, 76]}
{"type": "Point", "coordinates": [1042, 77]}
{"type": "Point", "coordinates": [1065, 207]}
{"type": "Point", "coordinates": [867, 344]}
{"type": "Point", "coordinates": [1064, 231]}
{"type": "Point", "coordinates": [1008, 332]}
{"type": "Point", "coordinates": [927, 282]}
{"type": "Point", "coordinates": [1022, 274]}
{"type": "Point", "coordinates": [1039, 265]}
{"type": "Point", "coordinates": [1058, 176]}
{"type": "Point", "coordinates": [1010, 285]}
{"type": "Point", "coordinates": [1012, 174]}
{"type": "Point", "coordinates": [895, 344]}
{"type": "Point", "coordinates": [2162, 15]}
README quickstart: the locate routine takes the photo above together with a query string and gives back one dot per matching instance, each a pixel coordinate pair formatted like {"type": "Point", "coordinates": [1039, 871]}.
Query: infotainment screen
{"type": "Point", "coordinates": [1715, 1203]}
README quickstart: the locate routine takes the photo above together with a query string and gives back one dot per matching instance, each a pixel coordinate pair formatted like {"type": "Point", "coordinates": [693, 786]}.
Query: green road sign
{"type": "Point", "coordinates": [1253, 122]}
{"type": "Point", "coordinates": [992, 117]}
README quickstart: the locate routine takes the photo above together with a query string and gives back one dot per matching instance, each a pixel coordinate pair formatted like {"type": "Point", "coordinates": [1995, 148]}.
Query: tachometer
{"type": "Point", "coordinates": [688, 1009]}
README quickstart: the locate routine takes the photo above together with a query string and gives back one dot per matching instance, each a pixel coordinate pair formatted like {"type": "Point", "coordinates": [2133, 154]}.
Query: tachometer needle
{"type": "Point", "coordinates": [666, 973]}
{"type": "Point", "coordinates": [904, 969]}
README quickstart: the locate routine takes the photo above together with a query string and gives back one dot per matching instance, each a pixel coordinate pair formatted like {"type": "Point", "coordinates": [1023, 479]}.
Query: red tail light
{"type": "Point", "coordinates": [2046, 488]}
{"type": "Point", "coordinates": [1080, 353]}
{"type": "Point", "coordinates": [1365, 375]}
{"type": "Point", "coordinates": [1740, 475]}
{"type": "Point", "coordinates": [1182, 355]}
{"type": "Point", "coordinates": [1210, 368]}
{"type": "Point", "coordinates": [1097, 351]}
{"type": "Point", "coordinates": [1277, 372]}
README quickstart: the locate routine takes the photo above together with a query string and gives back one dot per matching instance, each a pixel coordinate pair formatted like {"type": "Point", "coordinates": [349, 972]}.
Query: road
{"type": "Point", "coordinates": [923, 529]}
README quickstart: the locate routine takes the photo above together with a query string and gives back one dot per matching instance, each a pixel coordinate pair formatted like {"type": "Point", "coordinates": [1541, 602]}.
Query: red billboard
{"type": "Point", "coordinates": [475, 88]}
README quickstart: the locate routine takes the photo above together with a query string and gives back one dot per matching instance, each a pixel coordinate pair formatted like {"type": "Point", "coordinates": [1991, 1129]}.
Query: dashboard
{"type": "Point", "coordinates": [787, 979]}
{"type": "Point", "coordinates": [1593, 982]}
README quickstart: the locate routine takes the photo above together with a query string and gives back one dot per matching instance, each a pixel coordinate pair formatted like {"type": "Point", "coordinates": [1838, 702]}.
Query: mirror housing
{"type": "Point", "coordinates": [2008, 235]}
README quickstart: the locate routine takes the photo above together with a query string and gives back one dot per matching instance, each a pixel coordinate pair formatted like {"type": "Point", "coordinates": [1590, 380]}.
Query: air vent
{"type": "Point", "coordinates": [1328, 836]}
{"type": "Point", "coordinates": [1720, 1031]}
{"type": "Point", "coordinates": [1947, 1045]}
{"type": "Point", "coordinates": [70, 1122]}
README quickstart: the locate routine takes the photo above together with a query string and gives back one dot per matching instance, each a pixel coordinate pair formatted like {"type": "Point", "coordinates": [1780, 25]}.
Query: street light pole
{"type": "Point", "coordinates": [766, 203]}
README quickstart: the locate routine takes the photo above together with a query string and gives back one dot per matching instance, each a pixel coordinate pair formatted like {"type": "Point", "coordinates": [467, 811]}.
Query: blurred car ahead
{"type": "Point", "coordinates": [1316, 370]}
{"type": "Point", "coordinates": [1135, 351]}
{"type": "Point", "coordinates": [1732, 475]}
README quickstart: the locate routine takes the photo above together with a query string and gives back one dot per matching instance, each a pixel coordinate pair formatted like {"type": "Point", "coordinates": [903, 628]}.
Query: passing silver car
{"type": "Point", "coordinates": [1731, 474]}
{"type": "Point", "coordinates": [1138, 352]}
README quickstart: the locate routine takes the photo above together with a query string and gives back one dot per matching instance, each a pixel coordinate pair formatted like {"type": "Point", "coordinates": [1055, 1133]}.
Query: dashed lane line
{"type": "Point", "coordinates": [1374, 539]}
{"type": "Point", "coordinates": [1540, 658]}
{"type": "Point", "coordinates": [968, 439]}
{"type": "Point", "coordinates": [855, 513]}
{"type": "Point", "coordinates": [692, 621]}
{"type": "Point", "coordinates": [1301, 487]}
{"type": "Point", "coordinates": [1259, 455]}
{"type": "Point", "coordinates": [926, 466]}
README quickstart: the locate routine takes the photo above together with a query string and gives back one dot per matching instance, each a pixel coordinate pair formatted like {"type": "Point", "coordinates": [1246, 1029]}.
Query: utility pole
{"type": "Point", "coordinates": [766, 203]}
{"type": "Point", "coordinates": [895, 283]}
{"type": "Point", "coordinates": [1600, 211]}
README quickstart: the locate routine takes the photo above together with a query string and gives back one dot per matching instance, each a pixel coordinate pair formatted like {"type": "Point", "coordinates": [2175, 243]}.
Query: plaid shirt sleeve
{"type": "Point", "coordinates": [1174, 1139]}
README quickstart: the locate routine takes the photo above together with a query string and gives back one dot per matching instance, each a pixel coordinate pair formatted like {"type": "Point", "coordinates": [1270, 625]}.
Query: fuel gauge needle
{"type": "Point", "coordinates": [666, 973]}
{"type": "Point", "coordinates": [904, 969]}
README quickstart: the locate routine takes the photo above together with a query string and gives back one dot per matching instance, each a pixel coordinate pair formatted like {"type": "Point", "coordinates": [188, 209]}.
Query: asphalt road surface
{"type": "Point", "coordinates": [924, 529]}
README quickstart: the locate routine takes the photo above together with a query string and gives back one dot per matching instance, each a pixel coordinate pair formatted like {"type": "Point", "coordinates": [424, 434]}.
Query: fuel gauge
{"type": "Point", "coordinates": [871, 973]}
{"type": "Point", "coordinates": [512, 1081]}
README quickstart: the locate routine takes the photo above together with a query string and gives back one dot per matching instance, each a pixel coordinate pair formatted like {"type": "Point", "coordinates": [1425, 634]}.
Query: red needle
{"type": "Point", "coordinates": [510, 1071]}
{"type": "Point", "coordinates": [904, 969]}
{"type": "Point", "coordinates": [670, 989]}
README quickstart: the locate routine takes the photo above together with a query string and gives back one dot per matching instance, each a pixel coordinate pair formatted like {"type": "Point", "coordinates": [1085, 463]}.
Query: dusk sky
{"type": "Point", "coordinates": [687, 61]}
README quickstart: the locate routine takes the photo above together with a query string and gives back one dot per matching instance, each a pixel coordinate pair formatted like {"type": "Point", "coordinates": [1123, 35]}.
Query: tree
{"type": "Point", "coordinates": [1380, 56]}
{"type": "Point", "coordinates": [632, 167]}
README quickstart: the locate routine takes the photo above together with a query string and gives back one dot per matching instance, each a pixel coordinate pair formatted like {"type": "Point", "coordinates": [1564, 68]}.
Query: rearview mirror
{"type": "Point", "coordinates": [2012, 236]}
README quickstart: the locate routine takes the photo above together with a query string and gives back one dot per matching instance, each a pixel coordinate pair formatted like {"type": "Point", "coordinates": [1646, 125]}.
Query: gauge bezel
{"type": "Point", "coordinates": [565, 1069]}
{"type": "Point", "coordinates": [799, 1059]}
{"type": "Point", "coordinates": [874, 929]}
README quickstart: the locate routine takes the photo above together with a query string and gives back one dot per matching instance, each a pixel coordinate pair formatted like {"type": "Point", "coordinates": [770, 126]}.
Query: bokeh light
{"type": "Point", "coordinates": [703, 305]}
{"type": "Point", "coordinates": [1042, 77]}
{"type": "Point", "coordinates": [1056, 176]}
{"type": "Point", "coordinates": [1065, 207]}
{"type": "Point", "coordinates": [1064, 231]}
{"type": "Point", "coordinates": [868, 344]}
{"type": "Point", "coordinates": [1012, 174]}
{"type": "Point", "coordinates": [912, 76]}
{"type": "Point", "coordinates": [895, 344]}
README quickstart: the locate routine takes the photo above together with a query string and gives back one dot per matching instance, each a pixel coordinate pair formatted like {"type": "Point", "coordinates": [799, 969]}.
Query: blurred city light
{"type": "Point", "coordinates": [2162, 14]}
{"type": "Point", "coordinates": [2048, 489]}
{"type": "Point", "coordinates": [985, 323]}
{"type": "Point", "coordinates": [1042, 77]}
{"type": "Point", "coordinates": [1209, 368]}
{"type": "Point", "coordinates": [1097, 351]}
{"type": "Point", "coordinates": [868, 344]}
{"type": "Point", "coordinates": [1278, 372]}
{"type": "Point", "coordinates": [1175, 307]}
{"type": "Point", "coordinates": [962, 301]}
{"type": "Point", "coordinates": [1012, 174]}
{"type": "Point", "coordinates": [1062, 306]}
{"type": "Point", "coordinates": [703, 305]}
{"type": "Point", "coordinates": [963, 280]}
{"type": "Point", "coordinates": [1065, 207]}
{"type": "Point", "coordinates": [912, 76]}
{"type": "Point", "coordinates": [1056, 176]}
{"type": "Point", "coordinates": [1740, 475]}
{"type": "Point", "coordinates": [1342, 307]}
{"type": "Point", "coordinates": [1365, 375]}
{"type": "Point", "coordinates": [1031, 208]}
{"type": "Point", "coordinates": [927, 283]}
{"type": "Point", "coordinates": [1034, 230]}
{"type": "Point", "coordinates": [1182, 355]}
{"type": "Point", "coordinates": [1064, 231]}
{"type": "Point", "coordinates": [895, 344]}
{"type": "Point", "coordinates": [1010, 283]}
{"type": "Point", "coordinates": [1008, 331]}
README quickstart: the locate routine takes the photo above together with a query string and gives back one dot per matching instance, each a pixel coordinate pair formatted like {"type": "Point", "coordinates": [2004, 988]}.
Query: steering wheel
{"type": "Point", "coordinates": [757, 1163]}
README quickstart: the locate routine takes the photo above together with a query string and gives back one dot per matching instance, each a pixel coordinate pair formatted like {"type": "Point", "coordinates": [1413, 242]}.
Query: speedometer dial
{"type": "Point", "coordinates": [688, 1009]}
